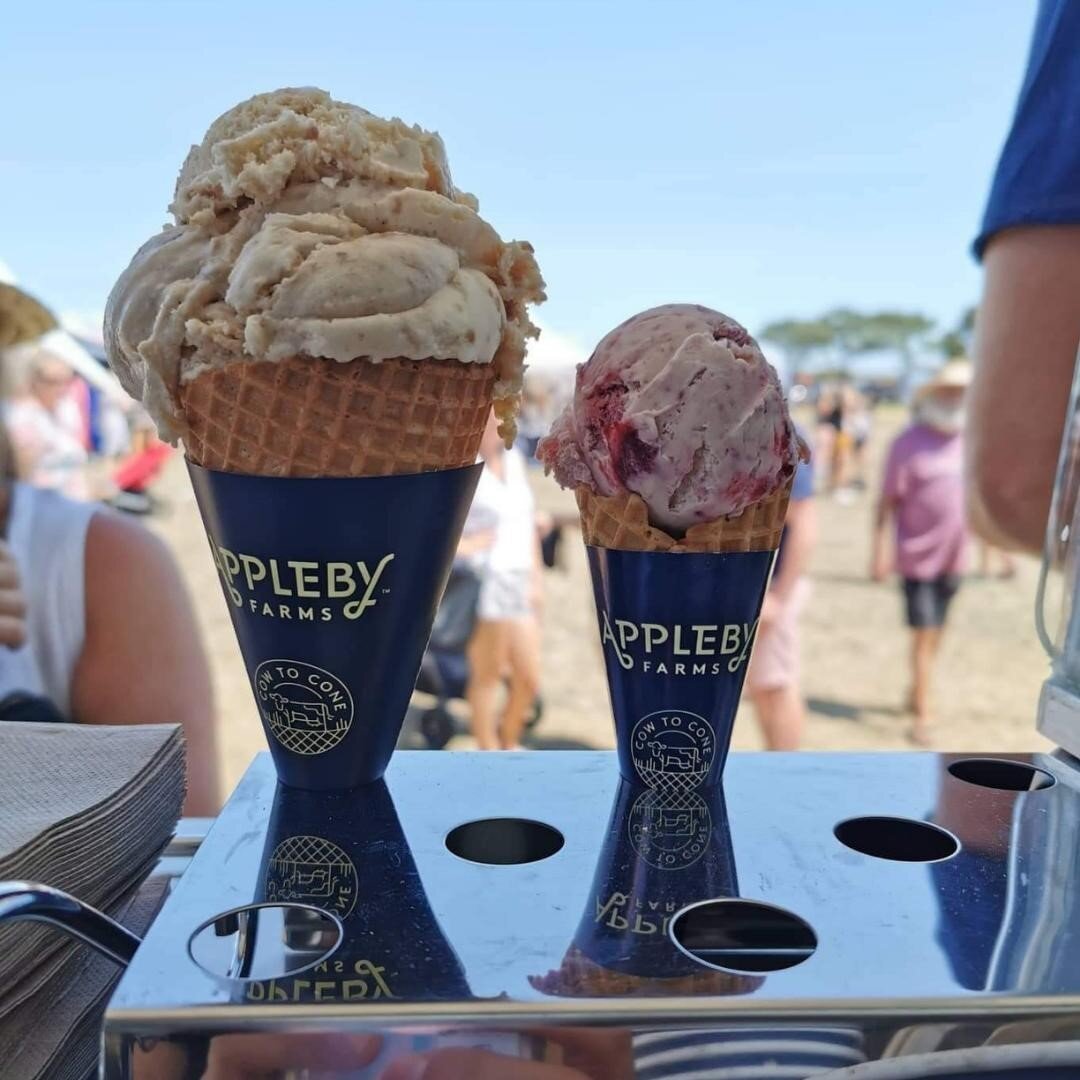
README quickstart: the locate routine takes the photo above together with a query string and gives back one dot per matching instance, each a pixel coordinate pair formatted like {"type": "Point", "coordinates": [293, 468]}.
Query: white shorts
{"type": "Point", "coordinates": [504, 594]}
{"type": "Point", "coordinates": [776, 658]}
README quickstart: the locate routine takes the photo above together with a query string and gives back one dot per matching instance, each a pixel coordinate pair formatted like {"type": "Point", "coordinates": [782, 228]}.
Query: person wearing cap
{"type": "Point", "coordinates": [920, 527]}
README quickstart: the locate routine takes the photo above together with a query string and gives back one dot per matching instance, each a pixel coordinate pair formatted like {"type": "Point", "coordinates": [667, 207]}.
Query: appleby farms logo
{"type": "Point", "coordinates": [299, 589]}
{"type": "Point", "coordinates": [678, 648]}
{"type": "Point", "coordinates": [307, 709]}
{"type": "Point", "coordinates": [312, 870]}
{"type": "Point", "coordinates": [669, 830]}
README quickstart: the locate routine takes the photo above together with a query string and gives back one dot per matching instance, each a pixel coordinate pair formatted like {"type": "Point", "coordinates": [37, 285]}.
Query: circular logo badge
{"type": "Point", "coordinates": [311, 870]}
{"type": "Point", "coordinates": [670, 832]}
{"type": "Point", "coordinates": [308, 710]}
{"type": "Point", "coordinates": [673, 750]}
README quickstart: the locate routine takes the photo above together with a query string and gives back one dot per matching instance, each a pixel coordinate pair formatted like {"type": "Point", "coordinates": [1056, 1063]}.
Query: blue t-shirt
{"type": "Point", "coordinates": [802, 487]}
{"type": "Point", "coordinates": [1037, 181]}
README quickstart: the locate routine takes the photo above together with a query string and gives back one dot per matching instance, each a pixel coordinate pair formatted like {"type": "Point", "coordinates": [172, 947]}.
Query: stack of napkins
{"type": "Point", "coordinates": [88, 810]}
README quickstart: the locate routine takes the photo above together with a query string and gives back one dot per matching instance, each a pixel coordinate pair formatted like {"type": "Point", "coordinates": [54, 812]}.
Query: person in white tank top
{"type": "Point", "coordinates": [94, 617]}
{"type": "Point", "coordinates": [500, 542]}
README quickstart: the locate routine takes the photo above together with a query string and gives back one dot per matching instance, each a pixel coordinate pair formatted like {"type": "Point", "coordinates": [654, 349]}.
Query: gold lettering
{"type": "Point", "coordinates": [655, 634]}
{"type": "Point", "coordinates": [366, 967]}
{"type": "Point", "coordinates": [730, 641]}
{"type": "Point", "coordinates": [606, 635]}
{"type": "Point", "coordinates": [644, 926]}
{"type": "Point", "coordinates": [254, 570]}
{"type": "Point", "coordinates": [706, 640]}
{"type": "Point", "coordinates": [307, 578]}
{"type": "Point", "coordinates": [677, 645]}
{"type": "Point", "coordinates": [228, 566]}
{"type": "Point", "coordinates": [356, 608]}
{"type": "Point", "coordinates": [324, 990]}
{"type": "Point", "coordinates": [749, 633]}
{"type": "Point", "coordinates": [279, 589]}
{"type": "Point", "coordinates": [628, 632]}
{"type": "Point", "coordinates": [339, 579]}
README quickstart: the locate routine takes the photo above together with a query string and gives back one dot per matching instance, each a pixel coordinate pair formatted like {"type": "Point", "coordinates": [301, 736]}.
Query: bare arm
{"type": "Point", "coordinates": [143, 662]}
{"type": "Point", "coordinates": [800, 536]}
{"type": "Point", "coordinates": [1026, 337]}
{"type": "Point", "coordinates": [881, 556]}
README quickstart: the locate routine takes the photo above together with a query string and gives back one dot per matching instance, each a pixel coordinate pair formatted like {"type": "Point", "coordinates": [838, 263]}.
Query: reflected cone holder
{"type": "Point", "coordinates": [332, 585]}
{"type": "Point", "coordinates": [345, 853]}
{"type": "Point", "coordinates": [661, 854]}
{"type": "Point", "coordinates": [893, 903]}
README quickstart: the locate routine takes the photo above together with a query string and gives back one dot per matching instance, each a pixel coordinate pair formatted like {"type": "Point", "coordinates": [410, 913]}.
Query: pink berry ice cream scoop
{"type": "Point", "coordinates": [679, 406]}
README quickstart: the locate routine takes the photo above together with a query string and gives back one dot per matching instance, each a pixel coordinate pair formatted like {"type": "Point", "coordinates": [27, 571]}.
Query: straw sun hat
{"type": "Point", "coordinates": [22, 318]}
{"type": "Point", "coordinates": [954, 375]}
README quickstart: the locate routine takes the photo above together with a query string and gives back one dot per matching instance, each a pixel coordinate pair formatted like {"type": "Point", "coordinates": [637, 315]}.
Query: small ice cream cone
{"type": "Point", "coordinates": [578, 976]}
{"type": "Point", "coordinates": [304, 416]}
{"type": "Point", "coordinates": [621, 523]}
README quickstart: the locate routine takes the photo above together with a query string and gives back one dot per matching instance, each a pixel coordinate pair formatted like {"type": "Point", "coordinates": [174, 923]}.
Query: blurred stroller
{"type": "Point", "coordinates": [444, 670]}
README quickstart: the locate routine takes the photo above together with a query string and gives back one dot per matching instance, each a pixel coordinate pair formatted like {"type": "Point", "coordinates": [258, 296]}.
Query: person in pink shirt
{"type": "Point", "coordinates": [922, 498]}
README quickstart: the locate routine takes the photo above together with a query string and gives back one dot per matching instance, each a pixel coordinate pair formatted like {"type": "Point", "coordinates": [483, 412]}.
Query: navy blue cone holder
{"type": "Point", "coordinates": [346, 853]}
{"type": "Point", "coordinates": [659, 855]}
{"type": "Point", "coordinates": [332, 585]}
{"type": "Point", "coordinates": [676, 630]}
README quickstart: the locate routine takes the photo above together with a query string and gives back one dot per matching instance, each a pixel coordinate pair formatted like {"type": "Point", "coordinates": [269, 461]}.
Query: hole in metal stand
{"type": "Point", "coordinates": [1001, 774]}
{"type": "Point", "coordinates": [742, 935]}
{"type": "Point", "coordinates": [504, 841]}
{"type": "Point", "coordinates": [264, 941]}
{"type": "Point", "coordinates": [898, 839]}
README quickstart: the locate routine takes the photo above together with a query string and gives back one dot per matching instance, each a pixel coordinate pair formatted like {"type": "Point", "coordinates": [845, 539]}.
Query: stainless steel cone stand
{"type": "Point", "coordinates": [909, 901]}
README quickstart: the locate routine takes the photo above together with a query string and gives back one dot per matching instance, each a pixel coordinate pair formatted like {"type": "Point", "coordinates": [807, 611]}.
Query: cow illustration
{"type": "Point", "coordinates": [676, 758]}
{"type": "Point", "coordinates": [306, 715]}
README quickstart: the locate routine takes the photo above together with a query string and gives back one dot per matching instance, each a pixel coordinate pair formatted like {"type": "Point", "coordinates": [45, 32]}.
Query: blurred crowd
{"type": "Point", "coordinates": [72, 429]}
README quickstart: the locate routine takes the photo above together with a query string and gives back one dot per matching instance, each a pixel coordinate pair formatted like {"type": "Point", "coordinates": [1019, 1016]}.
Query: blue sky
{"type": "Point", "coordinates": [768, 159]}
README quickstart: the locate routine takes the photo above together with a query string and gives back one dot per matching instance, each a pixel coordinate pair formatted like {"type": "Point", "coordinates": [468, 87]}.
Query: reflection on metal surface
{"type": "Point", "coordinates": [264, 941]}
{"type": "Point", "coordinates": [988, 937]}
{"type": "Point", "coordinates": [346, 853]}
{"type": "Point", "coordinates": [897, 839]}
{"type": "Point", "coordinates": [743, 935]}
{"type": "Point", "coordinates": [663, 851]}
{"type": "Point", "coordinates": [504, 841]}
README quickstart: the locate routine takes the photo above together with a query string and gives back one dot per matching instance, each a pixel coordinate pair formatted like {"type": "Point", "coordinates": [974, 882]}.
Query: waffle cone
{"type": "Point", "coordinates": [305, 416]}
{"type": "Point", "coordinates": [578, 976]}
{"type": "Point", "coordinates": [621, 522]}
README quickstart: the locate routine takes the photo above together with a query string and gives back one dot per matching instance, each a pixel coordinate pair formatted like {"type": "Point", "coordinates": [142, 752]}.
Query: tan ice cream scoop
{"type": "Point", "coordinates": [310, 232]}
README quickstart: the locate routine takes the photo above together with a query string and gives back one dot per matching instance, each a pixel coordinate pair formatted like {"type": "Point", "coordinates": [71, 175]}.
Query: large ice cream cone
{"type": "Point", "coordinates": [327, 327]}
{"type": "Point", "coordinates": [303, 416]}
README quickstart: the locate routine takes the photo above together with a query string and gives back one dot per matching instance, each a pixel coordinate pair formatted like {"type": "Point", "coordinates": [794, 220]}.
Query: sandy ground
{"type": "Point", "coordinates": [854, 642]}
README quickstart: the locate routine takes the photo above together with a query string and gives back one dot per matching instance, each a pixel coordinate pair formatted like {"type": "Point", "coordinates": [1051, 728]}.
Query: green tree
{"type": "Point", "coordinates": [800, 339]}
{"type": "Point", "coordinates": [957, 341]}
{"type": "Point", "coordinates": [898, 332]}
